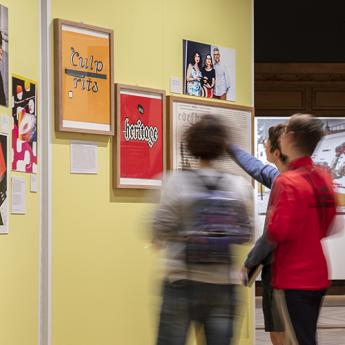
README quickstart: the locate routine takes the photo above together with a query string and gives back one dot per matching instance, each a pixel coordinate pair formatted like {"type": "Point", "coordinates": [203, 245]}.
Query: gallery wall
{"type": "Point", "coordinates": [19, 249]}
{"type": "Point", "coordinates": [105, 276]}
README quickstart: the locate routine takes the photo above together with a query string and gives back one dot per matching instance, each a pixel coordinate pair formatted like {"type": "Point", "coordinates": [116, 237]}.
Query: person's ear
{"type": "Point", "coordinates": [276, 154]}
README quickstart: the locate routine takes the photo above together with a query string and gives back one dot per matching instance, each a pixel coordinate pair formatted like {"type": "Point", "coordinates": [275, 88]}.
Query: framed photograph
{"type": "Point", "coordinates": [84, 91]}
{"type": "Point", "coordinates": [4, 208]}
{"type": "Point", "coordinates": [330, 153]}
{"type": "Point", "coordinates": [24, 125]}
{"type": "Point", "coordinates": [209, 71]}
{"type": "Point", "coordinates": [4, 56]}
{"type": "Point", "coordinates": [183, 112]}
{"type": "Point", "coordinates": [140, 143]}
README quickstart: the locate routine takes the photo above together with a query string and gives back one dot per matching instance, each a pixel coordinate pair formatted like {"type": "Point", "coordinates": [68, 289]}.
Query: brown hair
{"type": "Point", "coordinates": [207, 139]}
{"type": "Point", "coordinates": [208, 56]}
{"type": "Point", "coordinates": [307, 131]}
{"type": "Point", "coordinates": [274, 134]}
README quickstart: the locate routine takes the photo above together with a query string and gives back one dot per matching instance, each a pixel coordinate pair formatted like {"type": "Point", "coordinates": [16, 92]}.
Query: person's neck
{"type": "Point", "coordinates": [281, 166]}
{"type": "Point", "coordinates": [205, 164]}
{"type": "Point", "coordinates": [295, 155]}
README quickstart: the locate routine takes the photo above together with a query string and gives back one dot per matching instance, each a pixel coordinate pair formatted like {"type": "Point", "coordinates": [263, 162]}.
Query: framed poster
{"type": "Point", "coordinates": [209, 71]}
{"type": "Point", "coordinates": [140, 141]}
{"type": "Point", "coordinates": [330, 153]}
{"type": "Point", "coordinates": [24, 127]}
{"type": "Point", "coordinates": [183, 112]}
{"type": "Point", "coordinates": [4, 56]}
{"type": "Point", "coordinates": [4, 209]}
{"type": "Point", "coordinates": [84, 94]}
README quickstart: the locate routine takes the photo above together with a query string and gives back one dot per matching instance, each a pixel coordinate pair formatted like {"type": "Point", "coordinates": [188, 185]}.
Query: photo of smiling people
{"type": "Point", "coordinates": [209, 71]}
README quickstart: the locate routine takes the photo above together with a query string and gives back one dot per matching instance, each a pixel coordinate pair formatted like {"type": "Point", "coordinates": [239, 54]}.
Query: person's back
{"type": "Point", "coordinates": [181, 193]}
{"type": "Point", "coordinates": [299, 235]}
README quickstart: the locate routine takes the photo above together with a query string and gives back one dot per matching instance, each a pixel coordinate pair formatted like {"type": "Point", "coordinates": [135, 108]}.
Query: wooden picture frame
{"type": "Point", "coordinates": [83, 71]}
{"type": "Point", "coordinates": [189, 111]}
{"type": "Point", "coordinates": [139, 149]}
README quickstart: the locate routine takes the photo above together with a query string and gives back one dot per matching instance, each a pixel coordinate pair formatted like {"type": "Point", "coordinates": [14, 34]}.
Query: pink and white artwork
{"type": "Point", "coordinates": [24, 125]}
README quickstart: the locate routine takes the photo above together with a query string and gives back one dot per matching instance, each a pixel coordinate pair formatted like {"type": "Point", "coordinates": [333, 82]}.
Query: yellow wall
{"type": "Point", "coordinates": [104, 283]}
{"type": "Point", "coordinates": [19, 250]}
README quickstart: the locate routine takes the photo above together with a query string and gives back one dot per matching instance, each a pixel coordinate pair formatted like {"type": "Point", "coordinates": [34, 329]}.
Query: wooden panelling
{"type": "Point", "coordinates": [280, 99]}
{"type": "Point", "coordinates": [328, 99]}
{"type": "Point", "coordinates": [284, 89]}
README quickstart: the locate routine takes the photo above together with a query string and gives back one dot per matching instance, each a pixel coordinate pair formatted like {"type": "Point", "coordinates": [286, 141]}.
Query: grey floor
{"type": "Point", "coordinates": [331, 328]}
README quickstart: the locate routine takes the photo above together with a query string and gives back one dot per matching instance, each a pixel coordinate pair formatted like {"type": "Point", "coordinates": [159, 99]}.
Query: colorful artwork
{"type": "Point", "coordinates": [24, 130]}
{"type": "Point", "coordinates": [329, 153]}
{"type": "Point", "coordinates": [84, 90]}
{"type": "Point", "coordinates": [140, 137]}
{"type": "Point", "coordinates": [3, 185]}
{"type": "Point", "coordinates": [3, 56]}
{"type": "Point", "coordinates": [209, 71]}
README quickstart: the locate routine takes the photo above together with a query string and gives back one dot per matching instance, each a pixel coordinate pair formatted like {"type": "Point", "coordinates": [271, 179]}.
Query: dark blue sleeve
{"type": "Point", "coordinates": [263, 173]}
{"type": "Point", "coordinates": [260, 253]}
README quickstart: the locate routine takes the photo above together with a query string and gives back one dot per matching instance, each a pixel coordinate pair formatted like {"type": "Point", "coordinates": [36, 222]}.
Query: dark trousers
{"type": "Point", "coordinates": [211, 306]}
{"type": "Point", "coordinates": [303, 307]}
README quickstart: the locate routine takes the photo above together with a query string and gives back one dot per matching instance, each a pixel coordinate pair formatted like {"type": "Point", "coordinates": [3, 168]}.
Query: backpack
{"type": "Point", "coordinates": [219, 219]}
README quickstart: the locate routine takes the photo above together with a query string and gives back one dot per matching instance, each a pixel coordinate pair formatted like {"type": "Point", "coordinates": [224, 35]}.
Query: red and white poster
{"type": "Point", "coordinates": [140, 135]}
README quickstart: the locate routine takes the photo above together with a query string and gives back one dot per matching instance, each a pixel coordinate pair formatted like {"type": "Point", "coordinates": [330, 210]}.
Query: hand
{"type": "Point", "coordinates": [197, 78]}
{"type": "Point", "coordinates": [157, 244]}
{"type": "Point", "coordinates": [244, 275]}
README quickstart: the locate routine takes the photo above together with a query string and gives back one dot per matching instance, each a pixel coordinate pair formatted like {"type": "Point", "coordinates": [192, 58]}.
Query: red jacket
{"type": "Point", "coordinates": [302, 209]}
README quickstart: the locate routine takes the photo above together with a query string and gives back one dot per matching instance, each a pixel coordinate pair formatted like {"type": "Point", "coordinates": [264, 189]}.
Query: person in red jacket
{"type": "Point", "coordinates": [302, 210]}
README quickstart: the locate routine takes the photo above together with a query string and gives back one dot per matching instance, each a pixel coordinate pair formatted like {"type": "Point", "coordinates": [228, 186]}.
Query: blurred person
{"type": "Point", "coordinates": [302, 210]}
{"type": "Point", "coordinates": [193, 76]}
{"type": "Point", "coordinates": [222, 76]}
{"type": "Point", "coordinates": [208, 77]}
{"type": "Point", "coordinates": [262, 251]}
{"type": "Point", "coordinates": [201, 215]}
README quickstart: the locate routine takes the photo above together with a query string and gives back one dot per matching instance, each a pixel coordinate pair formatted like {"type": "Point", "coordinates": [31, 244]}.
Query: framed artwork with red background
{"type": "Point", "coordinates": [139, 146]}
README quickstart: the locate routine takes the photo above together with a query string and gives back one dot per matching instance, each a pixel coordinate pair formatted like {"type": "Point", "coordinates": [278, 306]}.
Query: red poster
{"type": "Point", "coordinates": [141, 138]}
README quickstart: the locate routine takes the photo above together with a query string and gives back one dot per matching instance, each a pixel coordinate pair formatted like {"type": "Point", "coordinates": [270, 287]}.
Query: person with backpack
{"type": "Point", "coordinates": [202, 214]}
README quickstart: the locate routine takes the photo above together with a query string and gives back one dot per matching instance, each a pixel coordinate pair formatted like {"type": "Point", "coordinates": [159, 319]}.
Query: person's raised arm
{"type": "Point", "coordinates": [263, 173]}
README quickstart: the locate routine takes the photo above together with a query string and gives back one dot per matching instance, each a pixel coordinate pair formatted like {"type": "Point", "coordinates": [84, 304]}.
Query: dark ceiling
{"type": "Point", "coordinates": [299, 30]}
